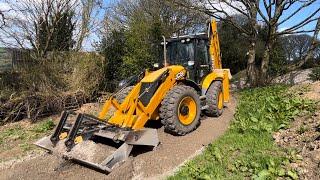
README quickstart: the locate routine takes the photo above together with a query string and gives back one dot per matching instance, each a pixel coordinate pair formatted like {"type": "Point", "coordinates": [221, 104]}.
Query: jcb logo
{"type": "Point", "coordinates": [180, 75]}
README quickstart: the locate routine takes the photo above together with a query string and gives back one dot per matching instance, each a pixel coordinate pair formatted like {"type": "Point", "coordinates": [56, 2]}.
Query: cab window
{"type": "Point", "coordinates": [202, 52]}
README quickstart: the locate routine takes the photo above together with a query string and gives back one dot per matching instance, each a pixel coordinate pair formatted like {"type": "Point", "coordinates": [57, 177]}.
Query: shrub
{"type": "Point", "coordinates": [315, 74]}
{"type": "Point", "coordinates": [88, 74]}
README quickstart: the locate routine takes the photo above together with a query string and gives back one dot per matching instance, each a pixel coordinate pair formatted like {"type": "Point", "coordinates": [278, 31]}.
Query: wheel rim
{"type": "Point", "coordinates": [220, 100]}
{"type": "Point", "coordinates": [187, 110]}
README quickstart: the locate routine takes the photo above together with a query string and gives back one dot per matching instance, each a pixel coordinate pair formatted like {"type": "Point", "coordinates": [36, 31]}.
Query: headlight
{"type": "Point", "coordinates": [156, 65]}
{"type": "Point", "coordinates": [190, 63]}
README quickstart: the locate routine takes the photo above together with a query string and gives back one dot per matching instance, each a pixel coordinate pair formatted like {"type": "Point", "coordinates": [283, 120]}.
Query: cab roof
{"type": "Point", "coordinates": [189, 36]}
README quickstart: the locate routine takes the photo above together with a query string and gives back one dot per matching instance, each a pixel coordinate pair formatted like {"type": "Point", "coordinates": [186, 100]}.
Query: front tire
{"type": "Point", "coordinates": [180, 110]}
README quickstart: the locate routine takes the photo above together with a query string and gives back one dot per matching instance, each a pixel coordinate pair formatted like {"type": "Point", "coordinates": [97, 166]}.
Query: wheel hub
{"type": "Point", "coordinates": [184, 110]}
{"type": "Point", "coordinates": [187, 110]}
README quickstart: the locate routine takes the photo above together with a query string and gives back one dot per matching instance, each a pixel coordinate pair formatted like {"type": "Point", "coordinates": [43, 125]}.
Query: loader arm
{"type": "Point", "coordinates": [143, 100]}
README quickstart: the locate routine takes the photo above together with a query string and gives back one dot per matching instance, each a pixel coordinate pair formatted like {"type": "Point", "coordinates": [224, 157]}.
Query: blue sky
{"type": "Point", "coordinates": [297, 18]}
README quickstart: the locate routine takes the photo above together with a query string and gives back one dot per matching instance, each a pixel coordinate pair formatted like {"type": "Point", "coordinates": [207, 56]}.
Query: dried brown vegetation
{"type": "Point", "coordinates": [60, 81]}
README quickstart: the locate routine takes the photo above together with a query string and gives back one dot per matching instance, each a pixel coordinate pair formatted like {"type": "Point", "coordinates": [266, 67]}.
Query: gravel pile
{"type": "Point", "coordinates": [91, 151]}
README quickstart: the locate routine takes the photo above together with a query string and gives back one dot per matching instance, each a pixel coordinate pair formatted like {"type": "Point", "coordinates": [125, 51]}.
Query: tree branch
{"type": "Point", "coordinates": [296, 11]}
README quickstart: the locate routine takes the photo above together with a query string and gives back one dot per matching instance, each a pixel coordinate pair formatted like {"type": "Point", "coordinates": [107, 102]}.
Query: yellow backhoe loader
{"type": "Point", "coordinates": [189, 81]}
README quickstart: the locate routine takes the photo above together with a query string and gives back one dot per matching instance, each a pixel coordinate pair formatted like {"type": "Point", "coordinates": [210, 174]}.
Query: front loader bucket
{"type": "Point", "coordinates": [76, 142]}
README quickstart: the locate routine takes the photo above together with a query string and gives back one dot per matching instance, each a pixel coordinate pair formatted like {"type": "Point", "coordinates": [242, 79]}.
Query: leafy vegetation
{"type": "Point", "coordinates": [315, 74]}
{"type": "Point", "coordinates": [44, 126]}
{"type": "Point", "coordinates": [247, 149]}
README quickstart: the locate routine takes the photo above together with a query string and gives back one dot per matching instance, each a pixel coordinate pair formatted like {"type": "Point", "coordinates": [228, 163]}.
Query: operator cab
{"type": "Point", "coordinates": [190, 51]}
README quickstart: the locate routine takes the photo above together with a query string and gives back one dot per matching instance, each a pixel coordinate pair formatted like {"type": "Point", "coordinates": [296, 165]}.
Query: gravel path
{"type": "Point", "coordinates": [158, 164]}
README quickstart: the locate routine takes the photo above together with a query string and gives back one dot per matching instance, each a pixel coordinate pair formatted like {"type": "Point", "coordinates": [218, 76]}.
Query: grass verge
{"type": "Point", "coordinates": [247, 149]}
{"type": "Point", "coordinates": [18, 139]}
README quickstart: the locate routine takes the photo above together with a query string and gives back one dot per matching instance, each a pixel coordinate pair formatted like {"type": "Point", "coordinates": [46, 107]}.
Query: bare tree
{"type": "Point", "coordinates": [273, 13]}
{"type": "Point", "coordinates": [2, 19]}
{"type": "Point", "coordinates": [225, 10]}
{"type": "Point", "coordinates": [296, 47]}
{"type": "Point", "coordinates": [20, 28]}
{"type": "Point", "coordinates": [314, 45]}
{"type": "Point", "coordinates": [278, 13]}
{"type": "Point", "coordinates": [87, 20]}
{"type": "Point", "coordinates": [22, 23]}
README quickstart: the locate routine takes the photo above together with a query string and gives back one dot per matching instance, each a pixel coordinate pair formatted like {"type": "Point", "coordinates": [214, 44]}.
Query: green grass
{"type": "Point", "coordinates": [247, 149]}
{"type": "Point", "coordinates": [43, 126]}
{"type": "Point", "coordinates": [24, 137]}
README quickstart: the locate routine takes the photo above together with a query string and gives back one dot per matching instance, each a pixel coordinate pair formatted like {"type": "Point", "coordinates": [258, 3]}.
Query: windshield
{"type": "Point", "coordinates": [180, 53]}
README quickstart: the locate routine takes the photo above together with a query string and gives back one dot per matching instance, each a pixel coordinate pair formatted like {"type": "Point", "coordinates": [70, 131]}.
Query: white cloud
{"type": "Point", "coordinates": [4, 6]}
{"type": "Point", "coordinates": [231, 8]}
{"type": "Point", "coordinates": [10, 11]}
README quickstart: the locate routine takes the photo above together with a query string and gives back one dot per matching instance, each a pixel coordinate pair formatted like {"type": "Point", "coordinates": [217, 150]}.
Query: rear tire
{"type": "Point", "coordinates": [180, 110]}
{"type": "Point", "coordinates": [214, 99]}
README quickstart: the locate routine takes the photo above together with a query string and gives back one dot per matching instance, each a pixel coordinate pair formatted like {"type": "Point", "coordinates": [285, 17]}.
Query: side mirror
{"type": "Point", "coordinates": [190, 63]}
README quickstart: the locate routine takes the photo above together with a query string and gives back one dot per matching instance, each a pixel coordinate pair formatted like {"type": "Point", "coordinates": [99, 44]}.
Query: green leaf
{"type": "Point", "coordinates": [281, 172]}
{"type": "Point", "coordinates": [217, 154]}
{"type": "Point", "coordinates": [282, 126]}
{"type": "Point", "coordinates": [293, 174]}
{"type": "Point", "coordinates": [205, 177]}
{"type": "Point", "coordinates": [295, 112]}
{"type": "Point", "coordinates": [263, 174]}
{"type": "Point", "coordinates": [253, 119]}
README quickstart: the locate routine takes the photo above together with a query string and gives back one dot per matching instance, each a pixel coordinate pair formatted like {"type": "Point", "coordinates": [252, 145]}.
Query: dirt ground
{"type": "Point", "coordinates": [303, 136]}
{"type": "Point", "coordinates": [157, 164]}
